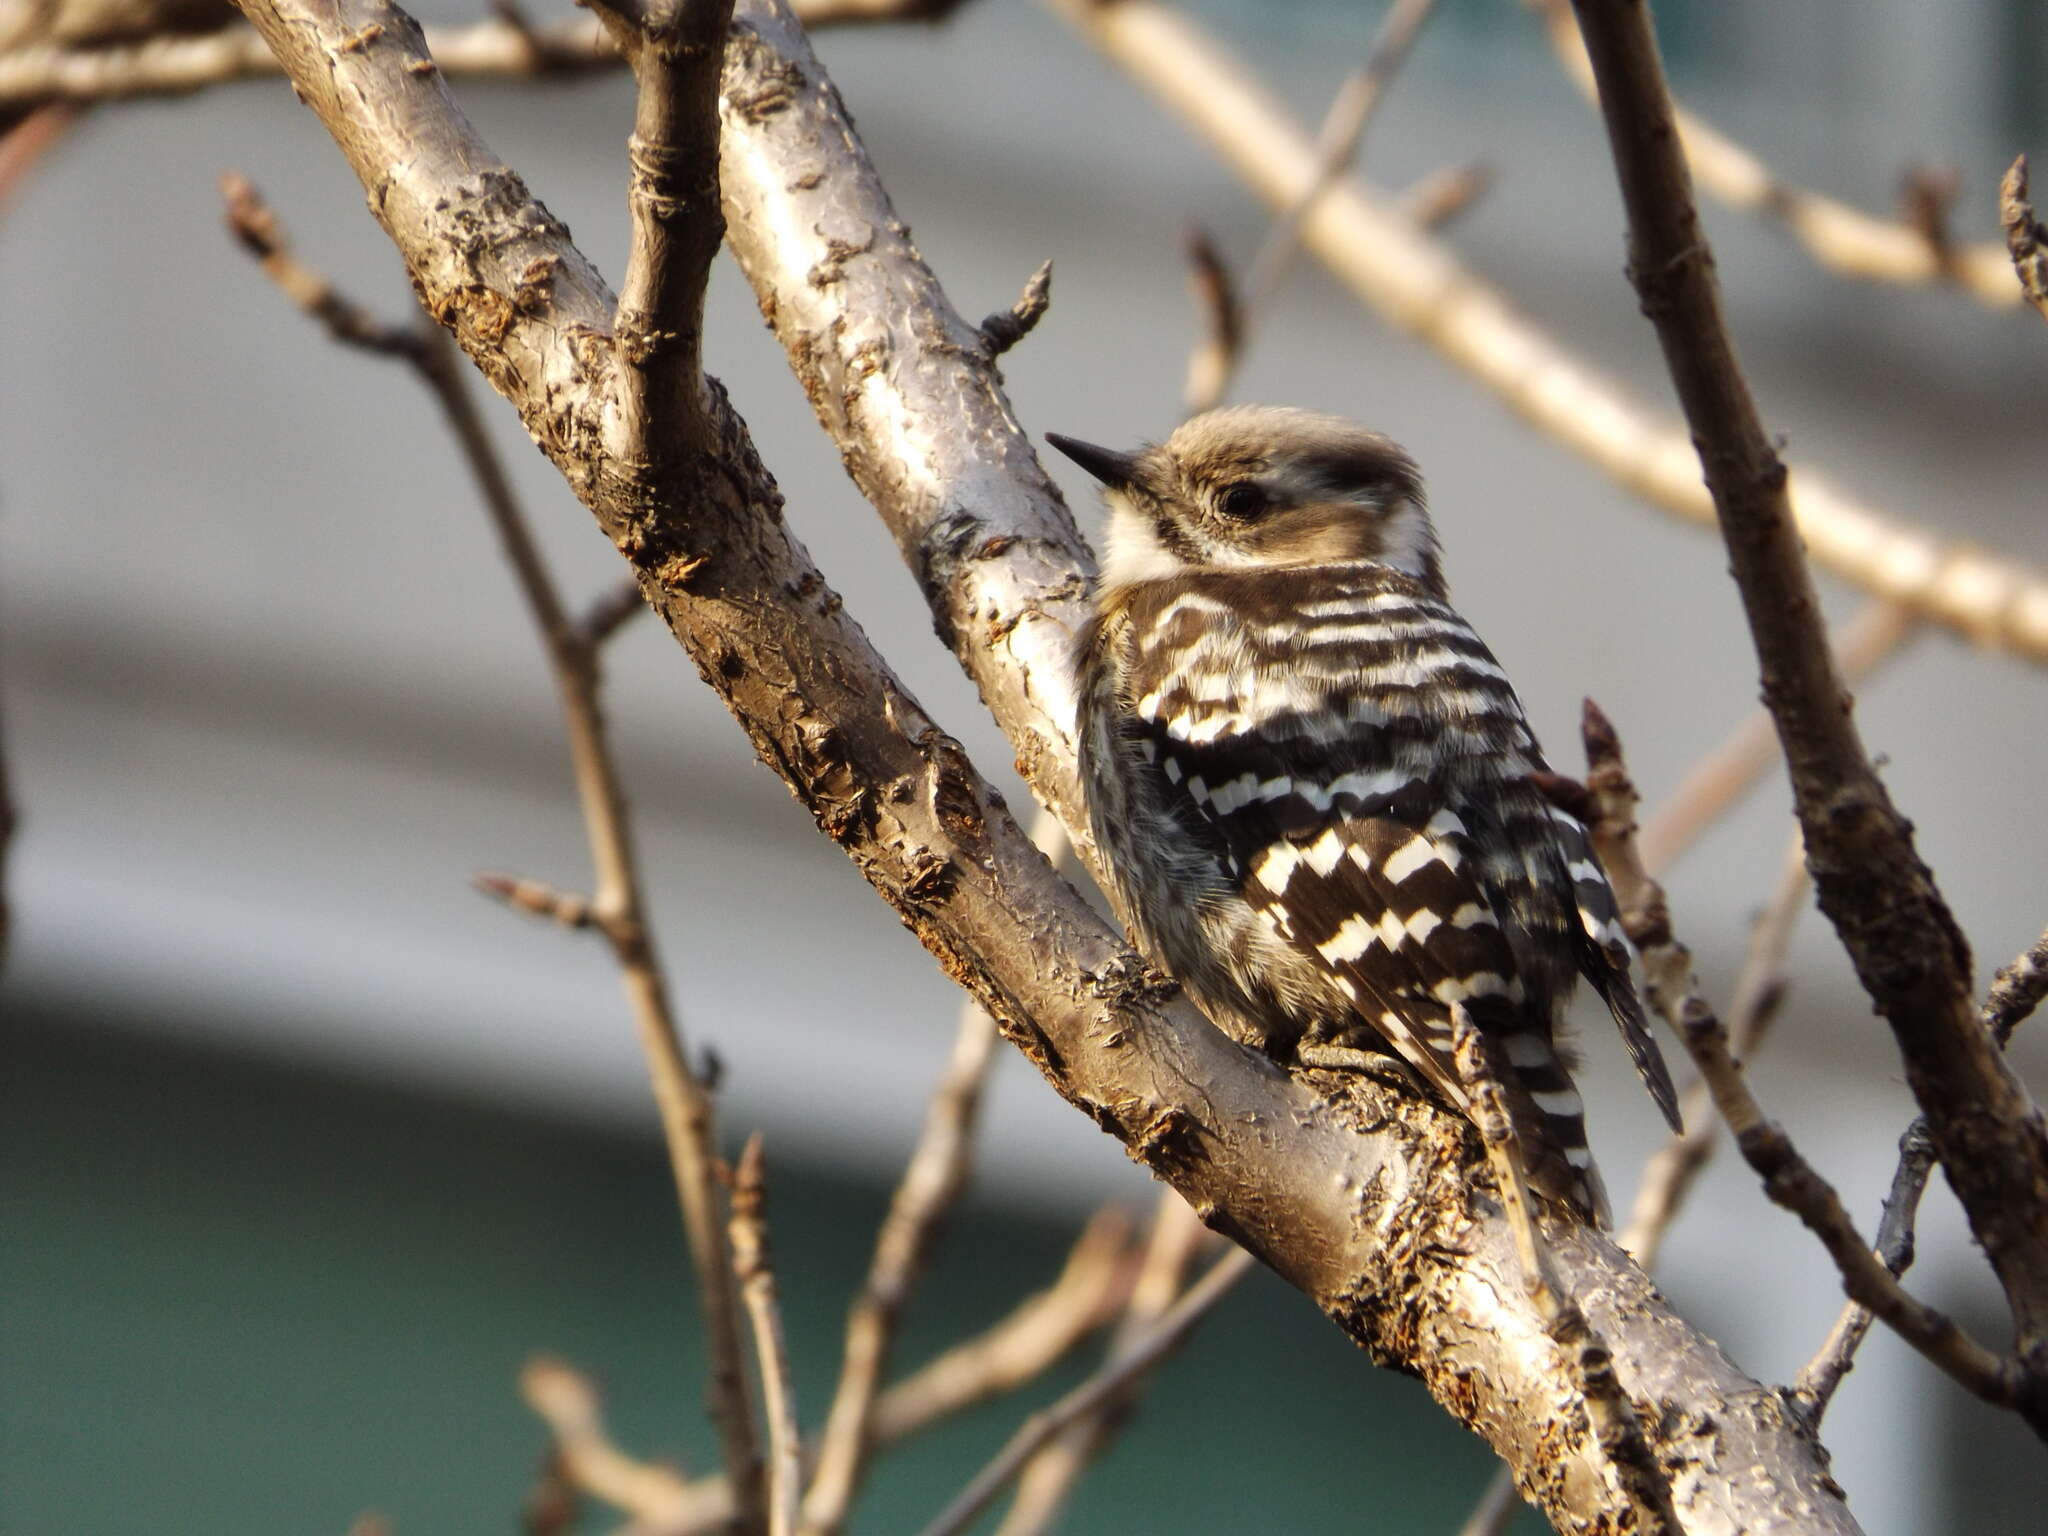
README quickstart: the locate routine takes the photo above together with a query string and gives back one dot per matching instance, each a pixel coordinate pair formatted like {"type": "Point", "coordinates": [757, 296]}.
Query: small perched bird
{"type": "Point", "coordinates": [1314, 788]}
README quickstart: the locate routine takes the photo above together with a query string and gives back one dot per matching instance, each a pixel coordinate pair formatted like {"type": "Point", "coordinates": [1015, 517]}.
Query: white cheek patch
{"type": "Point", "coordinates": [1132, 552]}
{"type": "Point", "coordinates": [1406, 540]}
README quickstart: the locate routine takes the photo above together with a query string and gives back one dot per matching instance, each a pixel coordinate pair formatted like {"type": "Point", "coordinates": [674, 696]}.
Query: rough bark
{"type": "Point", "coordinates": [1371, 1202]}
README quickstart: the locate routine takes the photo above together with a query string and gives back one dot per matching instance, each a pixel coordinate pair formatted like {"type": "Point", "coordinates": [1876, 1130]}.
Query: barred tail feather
{"type": "Point", "coordinates": [1620, 996]}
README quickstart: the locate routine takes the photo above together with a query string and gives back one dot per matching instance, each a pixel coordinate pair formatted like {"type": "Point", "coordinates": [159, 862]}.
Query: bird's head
{"type": "Point", "coordinates": [1257, 487]}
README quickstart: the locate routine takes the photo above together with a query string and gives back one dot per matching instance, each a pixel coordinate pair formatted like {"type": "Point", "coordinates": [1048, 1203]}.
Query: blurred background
{"type": "Point", "coordinates": [305, 1147]}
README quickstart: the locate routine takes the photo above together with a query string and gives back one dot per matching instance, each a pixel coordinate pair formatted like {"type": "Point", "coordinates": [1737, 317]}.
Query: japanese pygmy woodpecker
{"type": "Point", "coordinates": [1312, 783]}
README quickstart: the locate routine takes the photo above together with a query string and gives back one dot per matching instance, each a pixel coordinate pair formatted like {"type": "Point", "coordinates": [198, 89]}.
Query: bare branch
{"type": "Point", "coordinates": [754, 1264]}
{"type": "Point", "coordinates": [928, 1191]}
{"type": "Point", "coordinates": [1049, 1478]}
{"type": "Point", "coordinates": [1036, 1335]}
{"type": "Point", "coordinates": [1158, 1342]}
{"type": "Point", "coordinates": [1219, 342]}
{"type": "Point", "coordinates": [2026, 242]}
{"type": "Point", "coordinates": [1839, 238]}
{"type": "Point", "coordinates": [23, 143]}
{"type": "Point", "coordinates": [1006, 327]}
{"type": "Point", "coordinates": [616, 909]}
{"type": "Point", "coordinates": [568, 1403]}
{"type": "Point", "coordinates": [506, 46]}
{"type": "Point", "coordinates": [2014, 994]}
{"type": "Point", "coordinates": [610, 612]}
{"type": "Point", "coordinates": [1496, 1509]}
{"type": "Point", "coordinates": [252, 222]}
{"type": "Point", "coordinates": [1669, 1175]}
{"type": "Point", "coordinates": [1091, 1289]}
{"type": "Point", "coordinates": [1908, 952]}
{"type": "Point", "coordinates": [1927, 197]}
{"type": "Point", "coordinates": [675, 48]}
{"type": "Point", "coordinates": [538, 898]}
{"type": "Point", "coordinates": [1788, 1178]}
{"type": "Point", "coordinates": [1815, 1387]}
{"type": "Point", "coordinates": [1712, 789]}
{"type": "Point", "coordinates": [1338, 141]}
{"type": "Point", "coordinates": [1443, 196]}
{"type": "Point", "coordinates": [2016, 991]}
{"type": "Point", "coordinates": [175, 65]}
{"type": "Point", "coordinates": [1419, 286]}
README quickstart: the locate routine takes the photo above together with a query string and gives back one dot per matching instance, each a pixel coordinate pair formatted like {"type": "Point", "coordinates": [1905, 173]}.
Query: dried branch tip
{"type": "Point", "coordinates": [1220, 308]}
{"type": "Point", "coordinates": [2024, 236]}
{"type": "Point", "coordinates": [565, 907]}
{"type": "Point", "coordinates": [1006, 327]}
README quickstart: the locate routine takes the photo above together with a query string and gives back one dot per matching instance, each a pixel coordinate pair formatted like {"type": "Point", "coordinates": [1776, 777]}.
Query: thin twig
{"type": "Point", "coordinates": [1610, 1416]}
{"type": "Point", "coordinates": [1927, 197]}
{"type": "Point", "coordinates": [2016, 991]}
{"type": "Point", "coordinates": [1049, 1478]}
{"type": "Point", "coordinates": [2026, 242]}
{"type": "Point", "coordinates": [1815, 1386]}
{"type": "Point", "coordinates": [1419, 286]}
{"type": "Point", "coordinates": [616, 907]}
{"type": "Point", "coordinates": [504, 47]}
{"type": "Point", "coordinates": [1006, 327]}
{"type": "Point", "coordinates": [1226, 306]}
{"type": "Point", "coordinates": [753, 1263]}
{"type": "Point", "coordinates": [24, 143]}
{"type": "Point", "coordinates": [1444, 195]}
{"type": "Point", "coordinates": [1338, 141]}
{"type": "Point", "coordinates": [568, 1403]}
{"type": "Point", "coordinates": [1669, 1175]}
{"type": "Point", "coordinates": [1787, 1177]}
{"type": "Point", "coordinates": [1876, 632]}
{"type": "Point", "coordinates": [609, 612]}
{"type": "Point", "coordinates": [554, 1503]}
{"type": "Point", "coordinates": [1034, 1336]}
{"type": "Point", "coordinates": [1839, 238]}
{"type": "Point", "coordinates": [1497, 1507]}
{"type": "Point", "coordinates": [1903, 940]}
{"type": "Point", "coordinates": [1219, 342]}
{"type": "Point", "coordinates": [1091, 1288]}
{"type": "Point", "coordinates": [1157, 1343]}
{"type": "Point", "coordinates": [929, 1189]}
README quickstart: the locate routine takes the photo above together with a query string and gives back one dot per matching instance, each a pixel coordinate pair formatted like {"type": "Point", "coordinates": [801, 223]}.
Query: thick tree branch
{"type": "Point", "coordinates": [1419, 286]}
{"type": "Point", "coordinates": [1357, 1194]}
{"type": "Point", "coordinates": [676, 48]}
{"type": "Point", "coordinates": [1906, 947]}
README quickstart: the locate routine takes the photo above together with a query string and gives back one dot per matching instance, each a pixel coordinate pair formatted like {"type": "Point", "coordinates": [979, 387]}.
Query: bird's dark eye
{"type": "Point", "coordinates": [1242, 500]}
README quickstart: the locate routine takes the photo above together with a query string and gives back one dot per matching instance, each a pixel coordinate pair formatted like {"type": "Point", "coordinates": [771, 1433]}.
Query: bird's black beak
{"type": "Point", "coordinates": [1113, 469]}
